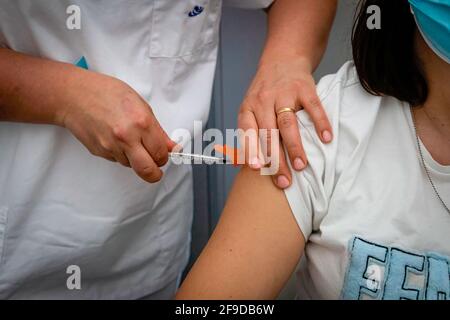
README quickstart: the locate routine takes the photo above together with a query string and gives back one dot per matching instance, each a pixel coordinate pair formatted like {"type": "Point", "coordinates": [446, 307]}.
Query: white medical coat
{"type": "Point", "coordinates": [59, 205]}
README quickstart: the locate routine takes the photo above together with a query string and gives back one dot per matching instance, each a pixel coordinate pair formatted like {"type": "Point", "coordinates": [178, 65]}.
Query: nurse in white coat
{"type": "Point", "coordinates": [65, 211]}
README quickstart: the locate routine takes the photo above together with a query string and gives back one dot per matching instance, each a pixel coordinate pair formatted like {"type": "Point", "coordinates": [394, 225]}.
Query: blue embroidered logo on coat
{"type": "Point", "coordinates": [82, 63]}
{"type": "Point", "coordinates": [196, 11]}
{"type": "Point", "coordinates": [379, 272]}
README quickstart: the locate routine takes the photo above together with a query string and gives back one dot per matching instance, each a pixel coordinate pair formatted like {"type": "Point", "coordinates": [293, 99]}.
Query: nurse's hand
{"type": "Point", "coordinates": [115, 123]}
{"type": "Point", "coordinates": [284, 83]}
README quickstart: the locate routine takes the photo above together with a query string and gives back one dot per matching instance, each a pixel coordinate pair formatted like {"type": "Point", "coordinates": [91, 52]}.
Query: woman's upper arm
{"type": "Point", "coordinates": [254, 249]}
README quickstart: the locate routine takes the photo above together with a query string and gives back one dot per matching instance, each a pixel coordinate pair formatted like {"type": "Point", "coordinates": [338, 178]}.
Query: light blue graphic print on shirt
{"type": "Point", "coordinates": [380, 272]}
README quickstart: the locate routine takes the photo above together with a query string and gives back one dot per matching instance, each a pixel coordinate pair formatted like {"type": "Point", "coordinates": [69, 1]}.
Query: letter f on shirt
{"type": "Point", "coordinates": [364, 272]}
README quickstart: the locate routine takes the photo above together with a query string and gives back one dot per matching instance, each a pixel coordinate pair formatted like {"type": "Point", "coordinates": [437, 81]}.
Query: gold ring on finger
{"type": "Point", "coordinates": [283, 110]}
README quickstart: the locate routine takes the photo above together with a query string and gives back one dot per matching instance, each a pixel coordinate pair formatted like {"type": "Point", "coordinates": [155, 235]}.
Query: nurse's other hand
{"type": "Point", "coordinates": [115, 123]}
{"type": "Point", "coordinates": [284, 83]}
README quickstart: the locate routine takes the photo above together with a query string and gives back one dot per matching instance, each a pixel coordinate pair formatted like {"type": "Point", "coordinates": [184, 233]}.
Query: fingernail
{"type": "Point", "coordinates": [283, 182]}
{"type": "Point", "coordinates": [255, 164]}
{"type": "Point", "coordinates": [327, 137]}
{"type": "Point", "coordinates": [299, 164]}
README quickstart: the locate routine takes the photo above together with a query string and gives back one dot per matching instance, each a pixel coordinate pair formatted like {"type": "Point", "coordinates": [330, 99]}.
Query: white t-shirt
{"type": "Point", "coordinates": [375, 229]}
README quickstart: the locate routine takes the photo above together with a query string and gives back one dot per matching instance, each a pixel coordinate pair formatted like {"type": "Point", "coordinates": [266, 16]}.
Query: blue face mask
{"type": "Point", "coordinates": [433, 19]}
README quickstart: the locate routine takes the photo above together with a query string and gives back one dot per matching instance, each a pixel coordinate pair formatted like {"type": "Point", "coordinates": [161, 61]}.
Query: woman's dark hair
{"type": "Point", "coordinates": [386, 58]}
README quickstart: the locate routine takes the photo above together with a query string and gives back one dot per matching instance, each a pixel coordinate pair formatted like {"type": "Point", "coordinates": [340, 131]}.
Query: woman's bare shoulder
{"type": "Point", "coordinates": [254, 248]}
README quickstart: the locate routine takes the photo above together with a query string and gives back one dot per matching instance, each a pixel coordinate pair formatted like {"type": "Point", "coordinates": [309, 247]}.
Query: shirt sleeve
{"type": "Point", "coordinates": [311, 189]}
{"type": "Point", "coordinates": [248, 4]}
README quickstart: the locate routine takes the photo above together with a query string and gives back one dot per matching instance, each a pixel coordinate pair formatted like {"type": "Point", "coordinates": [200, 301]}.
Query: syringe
{"type": "Point", "coordinates": [177, 156]}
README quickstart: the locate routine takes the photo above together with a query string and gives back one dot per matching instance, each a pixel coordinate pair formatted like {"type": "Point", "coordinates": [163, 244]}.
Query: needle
{"type": "Point", "coordinates": [205, 159]}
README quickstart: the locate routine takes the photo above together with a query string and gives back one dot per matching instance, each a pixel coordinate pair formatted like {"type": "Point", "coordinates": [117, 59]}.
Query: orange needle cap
{"type": "Point", "coordinates": [229, 152]}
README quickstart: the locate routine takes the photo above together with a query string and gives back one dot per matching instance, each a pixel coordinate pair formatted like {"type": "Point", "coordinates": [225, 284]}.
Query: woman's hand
{"type": "Point", "coordinates": [104, 113]}
{"type": "Point", "coordinates": [115, 123]}
{"type": "Point", "coordinates": [284, 82]}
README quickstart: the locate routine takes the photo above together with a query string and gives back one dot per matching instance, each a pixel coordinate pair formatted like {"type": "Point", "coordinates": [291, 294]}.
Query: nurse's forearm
{"type": "Point", "coordinates": [299, 29]}
{"type": "Point", "coordinates": [30, 88]}
{"type": "Point", "coordinates": [102, 112]}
